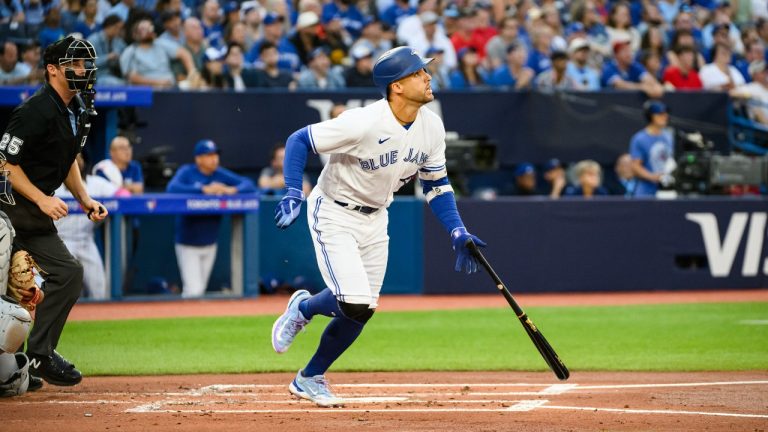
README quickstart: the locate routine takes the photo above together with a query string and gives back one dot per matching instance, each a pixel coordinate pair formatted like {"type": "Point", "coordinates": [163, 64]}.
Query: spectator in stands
{"type": "Point", "coordinates": [196, 236]}
{"type": "Point", "coordinates": [77, 232]}
{"type": "Point", "coordinates": [620, 26]}
{"type": "Point", "coordinates": [273, 25]}
{"type": "Point", "coordinates": [360, 74]}
{"type": "Point", "coordinates": [251, 17]}
{"type": "Point", "coordinates": [755, 92]}
{"type": "Point", "coordinates": [720, 74]}
{"type": "Point", "coordinates": [669, 9]}
{"type": "Point", "coordinates": [438, 70]}
{"type": "Point", "coordinates": [34, 15]}
{"type": "Point", "coordinates": [651, 61]}
{"type": "Point", "coordinates": [465, 36]}
{"type": "Point", "coordinates": [271, 180]}
{"type": "Point", "coordinates": [469, 74]}
{"type": "Point", "coordinates": [269, 74]}
{"type": "Point", "coordinates": [585, 12]}
{"type": "Point", "coordinates": [122, 9]}
{"type": "Point", "coordinates": [11, 11]}
{"type": "Point", "coordinates": [347, 13]}
{"type": "Point", "coordinates": [684, 39]}
{"type": "Point", "coordinates": [683, 76]}
{"type": "Point", "coordinates": [485, 28]}
{"type": "Point", "coordinates": [625, 182]}
{"type": "Point", "coordinates": [525, 180]}
{"type": "Point", "coordinates": [554, 175]}
{"type": "Point", "coordinates": [721, 22]}
{"type": "Point", "coordinates": [496, 48]}
{"type": "Point", "coordinates": [87, 21]}
{"type": "Point", "coordinates": [652, 151]}
{"type": "Point", "coordinates": [584, 77]}
{"type": "Point", "coordinates": [146, 62]}
{"type": "Point", "coordinates": [52, 29]}
{"type": "Point", "coordinates": [539, 57]}
{"type": "Point", "coordinates": [653, 41]}
{"type": "Point", "coordinates": [108, 45]}
{"type": "Point", "coordinates": [194, 41]}
{"type": "Point", "coordinates": [431, 34]}
{"type": "Point", "coordinates": [210, 21]}
{"type": "Point", "coordinates": [625, 74]}
{"type": "Point", "coordinates": [395, 13]}
{"type": "Point", "coordinates": [120, 169]}
{"type": "Point", "coordinates": [12, 71]}
{"type": "Point", "coordinates": [235, 33]}
{"type": "Point", "coordinates": [237, 77]}
{"type": "Point", "coordinates": [373, 36]}
{"type": "Point", "coordinates": [306, 37]}
{"type": "Point", "coordinates": [556, 77]}
{"type": "Point", "coordinates": [337, 39]}
{"type": "Point", "coordinates": [320, 75]}
{"type": "Point", "coordinates": [410, 31]}
{"type": "Point", "coordinates": [685, 21]}
{"type": "Point", "coordinates": [589, 180]}
{"type": "Point", "coordinates": [754, 50]}
{"type": "Point", "coordinates": [172, 28]}
{"type": "Point", "coordinates": [30, 56]}
{"type": "Point", "coordinates": [514, 73]}
{"type": "Point", "coordinates": [550, 16]}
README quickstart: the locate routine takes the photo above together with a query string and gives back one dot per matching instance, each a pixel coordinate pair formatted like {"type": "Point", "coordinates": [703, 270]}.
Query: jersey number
{"type": "Point", "coordinates": [13, 144]}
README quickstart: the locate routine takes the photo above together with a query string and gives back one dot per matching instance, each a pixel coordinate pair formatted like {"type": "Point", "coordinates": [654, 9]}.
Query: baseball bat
{"type": "Point", "coordinates": [538, 339]}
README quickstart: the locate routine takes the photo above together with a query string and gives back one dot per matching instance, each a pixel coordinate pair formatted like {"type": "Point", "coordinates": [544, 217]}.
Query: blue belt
{"type": "Point", "coordinates": [357, 208]}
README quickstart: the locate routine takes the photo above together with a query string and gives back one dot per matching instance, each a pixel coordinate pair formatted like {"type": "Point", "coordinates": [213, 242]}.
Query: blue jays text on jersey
{"type": "Point", "coordinates": [414, 156]}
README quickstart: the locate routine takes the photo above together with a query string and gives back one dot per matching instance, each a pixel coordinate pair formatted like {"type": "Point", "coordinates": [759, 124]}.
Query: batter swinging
{"type": "Point", "coordinates": [373, 152]}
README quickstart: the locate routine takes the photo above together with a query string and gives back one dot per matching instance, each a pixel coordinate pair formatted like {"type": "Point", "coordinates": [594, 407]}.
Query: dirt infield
{"type": "Point", "coordinates": [472, 401]}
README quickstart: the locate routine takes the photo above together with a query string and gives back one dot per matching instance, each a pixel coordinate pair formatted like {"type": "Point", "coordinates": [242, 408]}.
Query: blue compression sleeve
{"type": "Point", "coordinates": [443, 205]}
{"type": "Point", "coordinates": [296, 148]}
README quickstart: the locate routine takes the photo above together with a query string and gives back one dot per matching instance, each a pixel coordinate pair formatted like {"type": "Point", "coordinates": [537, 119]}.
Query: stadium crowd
{"type": "Point", "coordinates": [648, 45]}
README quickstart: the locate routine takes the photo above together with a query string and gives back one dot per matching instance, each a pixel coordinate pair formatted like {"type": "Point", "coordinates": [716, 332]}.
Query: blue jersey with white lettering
{"type": "Point", "coordinates": [373, 155]}
{"type": "Point", "coordinates": [202, 230]}
{"type": "Point", "coordinates": [654, 151]}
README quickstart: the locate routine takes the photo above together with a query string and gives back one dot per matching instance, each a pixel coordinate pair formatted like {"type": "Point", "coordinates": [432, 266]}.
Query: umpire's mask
{"type": "Point", "coordinates": [65, 53]}
{"type": "Point", "coordinates": [6, 192]}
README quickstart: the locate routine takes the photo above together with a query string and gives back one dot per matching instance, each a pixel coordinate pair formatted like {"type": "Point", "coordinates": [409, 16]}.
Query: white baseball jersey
{"type": "Point", "coordinates": [373, 155]}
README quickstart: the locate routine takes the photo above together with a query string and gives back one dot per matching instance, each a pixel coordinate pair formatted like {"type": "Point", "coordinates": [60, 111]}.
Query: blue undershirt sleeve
{"type": "Point", "coordinates": [297, 147]}
{"type": "Point", "coordinates": [443, 205]}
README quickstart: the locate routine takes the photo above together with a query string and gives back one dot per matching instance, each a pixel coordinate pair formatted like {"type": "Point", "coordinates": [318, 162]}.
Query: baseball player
{"type": "Point", "coordinates": [374, 151]}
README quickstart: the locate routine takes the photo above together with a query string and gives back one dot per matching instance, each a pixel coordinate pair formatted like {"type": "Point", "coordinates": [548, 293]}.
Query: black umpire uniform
{"type": "Point", "coordinates": [43, 138]}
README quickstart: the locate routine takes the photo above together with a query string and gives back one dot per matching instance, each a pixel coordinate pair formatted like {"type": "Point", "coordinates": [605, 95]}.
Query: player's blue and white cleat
{"type": "Point", "coordinates": [317, 389]}
{"type": "Point", "coordinates": [290, 323]}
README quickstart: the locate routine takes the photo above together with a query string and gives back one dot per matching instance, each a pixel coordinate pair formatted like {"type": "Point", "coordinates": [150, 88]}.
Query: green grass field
{"type": "Point", "coordinates": [688, 337]}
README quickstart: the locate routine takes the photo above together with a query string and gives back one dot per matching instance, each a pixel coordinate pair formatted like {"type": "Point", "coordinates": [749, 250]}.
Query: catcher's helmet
{"type": "Point", "coordinates": [65, 51]}
{"type": "Point", "coordinates": [395, 64]}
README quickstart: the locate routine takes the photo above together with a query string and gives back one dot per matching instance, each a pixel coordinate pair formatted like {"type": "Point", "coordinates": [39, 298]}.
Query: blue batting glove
{"type": "Point", "coordinates": [464, 261]}
{"type": "Point", "coordinates": [289, 208]}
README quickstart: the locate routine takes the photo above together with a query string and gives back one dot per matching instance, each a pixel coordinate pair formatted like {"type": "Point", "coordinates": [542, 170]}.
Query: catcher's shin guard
{"type": "Point", "coordinates": [15, 322]}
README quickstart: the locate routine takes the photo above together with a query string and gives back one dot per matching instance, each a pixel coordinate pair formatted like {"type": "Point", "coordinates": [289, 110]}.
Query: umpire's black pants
{"type": "Point", "coordinates": [63, 284]}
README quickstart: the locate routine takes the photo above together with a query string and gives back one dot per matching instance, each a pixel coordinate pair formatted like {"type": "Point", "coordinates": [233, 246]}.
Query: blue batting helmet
{"type": "Point", "coordinates": [395, 64]}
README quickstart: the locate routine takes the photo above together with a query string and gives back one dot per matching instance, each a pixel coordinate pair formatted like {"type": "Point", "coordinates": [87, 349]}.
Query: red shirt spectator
{"type": "Point", "coordinates": [683, 76]}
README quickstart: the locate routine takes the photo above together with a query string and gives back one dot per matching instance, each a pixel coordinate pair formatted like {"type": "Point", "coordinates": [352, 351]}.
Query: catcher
{"type": "Point", "coordinates": [44, 135]}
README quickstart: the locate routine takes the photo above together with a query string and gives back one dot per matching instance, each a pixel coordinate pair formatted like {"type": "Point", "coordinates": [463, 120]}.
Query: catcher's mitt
{"type": "Point", "coordinates": [21, 280]}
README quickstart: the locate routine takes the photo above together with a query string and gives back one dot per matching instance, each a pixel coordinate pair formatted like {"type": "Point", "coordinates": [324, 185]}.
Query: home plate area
{"type": "Point", "coordinates": [404, 401]}
{"type": "Point", "coordinates": [449, 398]}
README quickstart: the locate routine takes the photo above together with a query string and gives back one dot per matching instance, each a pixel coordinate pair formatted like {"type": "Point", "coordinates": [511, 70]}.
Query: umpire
{"type": "Point", "coordinates": [44, 135]}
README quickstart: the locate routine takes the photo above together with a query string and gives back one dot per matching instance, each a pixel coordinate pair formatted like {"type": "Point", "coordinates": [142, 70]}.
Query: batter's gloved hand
{"type": "Point", "coordinates": [464, 261]}
{"type": "Point", "coordinates": [289, 208]}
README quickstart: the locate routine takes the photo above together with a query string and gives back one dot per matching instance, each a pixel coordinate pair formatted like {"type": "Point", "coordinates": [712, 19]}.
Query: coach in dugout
{"type": "Point", "coordinates": [43, 137]}
{"type": "Point", "coordinates": [196, 235]}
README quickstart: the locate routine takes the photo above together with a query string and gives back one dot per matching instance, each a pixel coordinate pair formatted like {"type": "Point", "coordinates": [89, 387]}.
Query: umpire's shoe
{"type": "Point", "coordinates": [290, 323]}
{"type": "Point", "coordinates": [54, 369]}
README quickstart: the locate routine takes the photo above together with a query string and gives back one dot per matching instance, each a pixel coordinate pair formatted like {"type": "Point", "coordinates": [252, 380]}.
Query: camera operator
{"type": "Point", "coordinates": [652, 151]}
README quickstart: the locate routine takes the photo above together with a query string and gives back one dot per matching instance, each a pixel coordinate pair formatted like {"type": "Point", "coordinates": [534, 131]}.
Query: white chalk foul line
{"type": "Point", "coordinates": [320, 410]}
{"type": "Point", "coordinates": [222, 387]}
{"type": "Point", "coordinates": [694, 384]}
{"type": "Point", "coordinates": [642, 411]}
{"type": "Point", "coordinates": [373, 400]}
